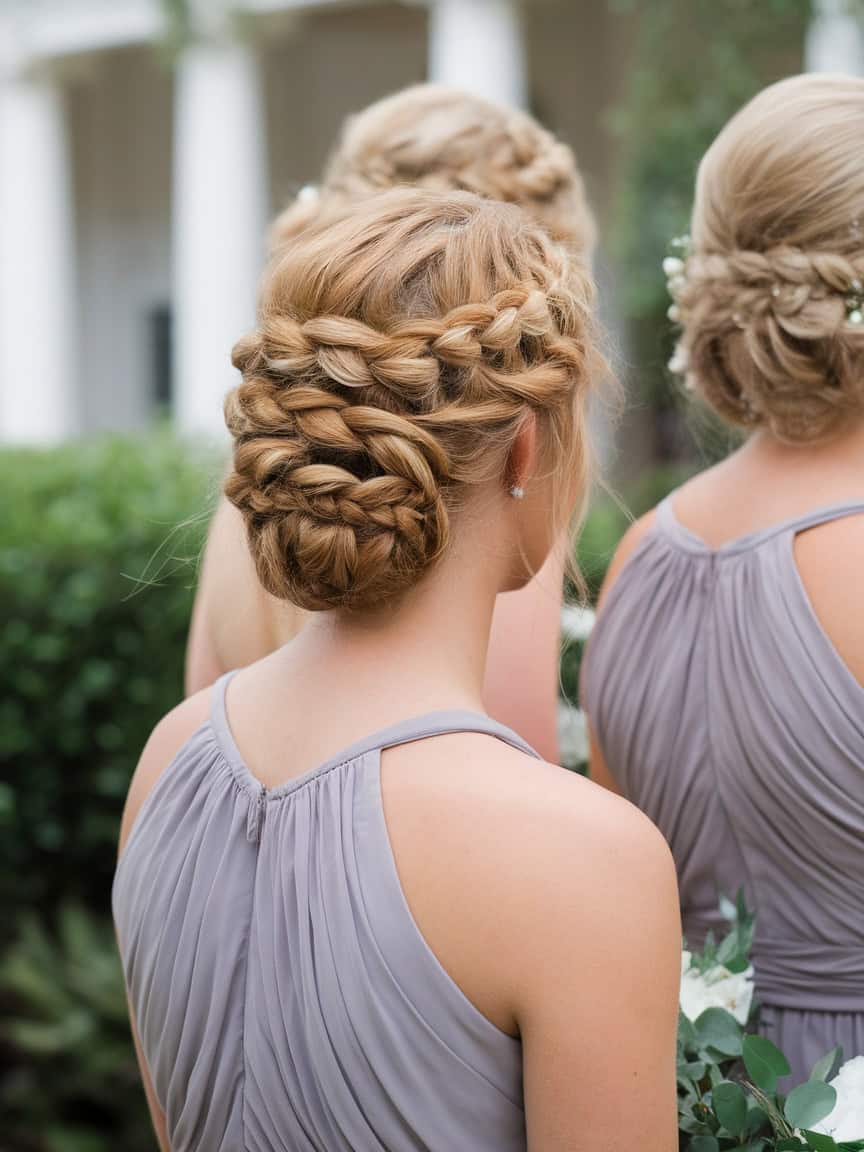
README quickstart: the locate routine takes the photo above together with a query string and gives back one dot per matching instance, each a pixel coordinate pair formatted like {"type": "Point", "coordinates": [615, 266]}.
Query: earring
{"type": "Point", "coordinates": [516, 492]}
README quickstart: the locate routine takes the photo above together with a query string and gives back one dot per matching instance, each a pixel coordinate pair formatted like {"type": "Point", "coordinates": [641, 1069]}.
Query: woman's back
{"type": "Point", "coordinates": [321, 954]}
{"type": "Point", "coordinates": [725, 710]}
{"type": "Point", "coordinates": [284, 995]}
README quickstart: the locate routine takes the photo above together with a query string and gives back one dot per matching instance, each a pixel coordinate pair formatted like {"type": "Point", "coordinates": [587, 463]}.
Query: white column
{"type": "Point", "coordinates": [219, 222]}
{"type": "Point", "coordinates": [478, 45]}
{"type": "Point", "coordinates": [38, 399]}
{"type": "Point", "coordinates": [835, 39]}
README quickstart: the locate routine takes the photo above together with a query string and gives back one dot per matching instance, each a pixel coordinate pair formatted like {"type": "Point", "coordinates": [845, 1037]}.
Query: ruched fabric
{"type": "Point", "coordinates": [284, 996]}
{"type": "Point", "coordinates": [725, 713]}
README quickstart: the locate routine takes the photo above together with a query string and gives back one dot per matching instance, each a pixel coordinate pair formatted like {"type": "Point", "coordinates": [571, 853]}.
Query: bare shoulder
{"type": "Point", "coordinates": [165, 741]}
{"type": "Point", "coordinates": [830, 559]}
{"type": "Point", "coordinates": [548, 841]}
{"type": "Point", "coordinates": [628, 544]}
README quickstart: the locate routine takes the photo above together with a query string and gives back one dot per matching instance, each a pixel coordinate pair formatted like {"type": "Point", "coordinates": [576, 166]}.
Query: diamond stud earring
{"type": "Point", "coordinates": [516, 492]}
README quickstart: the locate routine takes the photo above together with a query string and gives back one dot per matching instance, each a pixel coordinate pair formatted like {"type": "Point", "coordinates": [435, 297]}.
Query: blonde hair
{"type": "Point", "coordinates": [776, 260]}
{"type": "Point", "coordinates": [444, 139]}
{"type": "Point", "coordinates": [401, 344]}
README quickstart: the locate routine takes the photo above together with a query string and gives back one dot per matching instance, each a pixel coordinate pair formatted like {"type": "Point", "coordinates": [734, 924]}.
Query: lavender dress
{"type": "Point", "coordinates": [284, 996]}
{"type": "Point", "coordinates": [725, 713]}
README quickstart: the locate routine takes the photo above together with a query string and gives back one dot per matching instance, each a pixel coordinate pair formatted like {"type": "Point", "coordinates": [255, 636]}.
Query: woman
{"type": "Point", "coordinates": [423, 938]}
{"type": "Point", "coordinates": [444, 139]}
{"type": "Point", "coordinates": [725, 680]}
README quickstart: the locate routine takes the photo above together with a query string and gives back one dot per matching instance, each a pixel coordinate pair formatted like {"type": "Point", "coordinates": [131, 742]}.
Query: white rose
{"type": "Point", "coordinates": [846, 1121]}
{"type": "Point", "coordinates": [716, 988]}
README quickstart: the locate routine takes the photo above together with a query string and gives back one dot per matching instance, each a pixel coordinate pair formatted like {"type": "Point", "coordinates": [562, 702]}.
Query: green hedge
{"type": "Point", "coordinates": [96, 584]}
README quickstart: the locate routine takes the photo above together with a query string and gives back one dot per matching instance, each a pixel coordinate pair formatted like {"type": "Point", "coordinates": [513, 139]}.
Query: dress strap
{"type": "Point", "coordinates": [447, 723]}
{"type": "Point", "coordinates": [668, 524]}
{"type": "Point", "coordinates": [404, 732]}
{"type": "Point", "coordinates": [824, 516]}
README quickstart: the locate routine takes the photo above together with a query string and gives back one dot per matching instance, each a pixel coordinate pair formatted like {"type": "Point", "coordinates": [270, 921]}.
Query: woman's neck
{"type": "Point", "coordinates": [425, 652]}
{"type": "Point", "coordinates": [837, 454]}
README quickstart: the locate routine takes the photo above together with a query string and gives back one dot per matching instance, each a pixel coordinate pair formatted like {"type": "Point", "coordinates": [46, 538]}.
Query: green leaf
{"type": "Point", "coordinates": [718, 1029]}
{"type": "Point", "coordinates": [730, 1107]}
{"type": "Point", "coordinates": [809, 1103]}
{"type": "Point", "coordinates": [757, 1118]}
{"type": "Point", "coordinates": [819, 1142]}
{"type": "Point", "coordinates": [686, 1033]}
{"type": "Point", "coordinates": [825, 1068]}
{"type": "Point", "coordinates": [692, 1069]}
{"type": "Point", "coordinates": [764, 1061]}
{"type": "Point", "coordinates": [704, 1144]}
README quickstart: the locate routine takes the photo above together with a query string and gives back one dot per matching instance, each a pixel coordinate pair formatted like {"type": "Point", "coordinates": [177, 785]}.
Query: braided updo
{"type": "Point", "coordinates": [431, 136]}
{"type": "Point", "coordinates": [777, 262]}
{"type": "Point", "coordinates": [400, 345]}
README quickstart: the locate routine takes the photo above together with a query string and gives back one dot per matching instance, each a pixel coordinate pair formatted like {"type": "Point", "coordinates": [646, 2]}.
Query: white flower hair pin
{"type": "Point", "coordinates": [675, 271]}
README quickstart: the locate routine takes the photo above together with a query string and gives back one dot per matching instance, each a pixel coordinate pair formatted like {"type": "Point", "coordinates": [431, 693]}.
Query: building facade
{"type": "Point", "coordinates": [139, 168]}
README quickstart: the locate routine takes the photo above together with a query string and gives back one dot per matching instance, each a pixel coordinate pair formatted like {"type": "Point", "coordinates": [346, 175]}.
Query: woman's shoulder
{"type": "Point", "coordinates": [539, 821]}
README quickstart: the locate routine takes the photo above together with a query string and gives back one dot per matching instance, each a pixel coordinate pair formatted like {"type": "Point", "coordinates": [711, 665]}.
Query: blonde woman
{"type": "Point", "coordinates": [354, 911]}
{"type": "Point", "coordinates": [443, 139]}
{"type": "Point", "coordinates": [725, 681]}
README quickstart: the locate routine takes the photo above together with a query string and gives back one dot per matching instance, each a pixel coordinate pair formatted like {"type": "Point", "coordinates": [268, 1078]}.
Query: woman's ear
{"type": "Point", "coordinates": [522, 458]}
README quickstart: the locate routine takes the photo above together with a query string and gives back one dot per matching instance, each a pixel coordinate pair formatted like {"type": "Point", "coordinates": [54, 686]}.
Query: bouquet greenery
{"type": "Point", "coordinates": [728, 1075]}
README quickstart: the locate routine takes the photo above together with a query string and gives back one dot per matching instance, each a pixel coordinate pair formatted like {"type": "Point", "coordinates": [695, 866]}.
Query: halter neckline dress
{"type": "Point", "coordinates": [284, 996]}
{"type": "Point", "coordinates": [726, 714]}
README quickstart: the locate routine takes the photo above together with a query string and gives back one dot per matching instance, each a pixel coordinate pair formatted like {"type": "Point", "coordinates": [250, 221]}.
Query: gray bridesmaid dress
{"type": "Point", "coordinates": [284, 996]}
{"type": "Point", "coordinates": [725, 713]}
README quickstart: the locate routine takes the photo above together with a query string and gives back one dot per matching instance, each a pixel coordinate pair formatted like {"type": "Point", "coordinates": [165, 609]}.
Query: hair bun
{"type": "Point", "coordinates": [345, 500]}
{"type": "Point", "coordinates": [400, 343]}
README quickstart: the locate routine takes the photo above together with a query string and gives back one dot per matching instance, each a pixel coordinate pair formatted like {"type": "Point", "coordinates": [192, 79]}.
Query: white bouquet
{"type": "Point", "coordinates": [728, 1097]}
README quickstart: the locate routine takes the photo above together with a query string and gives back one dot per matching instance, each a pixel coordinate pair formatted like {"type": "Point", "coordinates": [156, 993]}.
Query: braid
{"type": "Point", "coordinates": [355, 433]}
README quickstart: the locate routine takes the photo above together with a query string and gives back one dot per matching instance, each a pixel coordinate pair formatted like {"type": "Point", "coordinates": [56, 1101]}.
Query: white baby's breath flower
{"type": "Point", "coordinates": [572, 734]}
{"type": "Point", "coordinates": [846, 1121]}
{"type": "Point", "coordinates": [576, 622]}
{"type": "Point", "coordinates": [716, 988]}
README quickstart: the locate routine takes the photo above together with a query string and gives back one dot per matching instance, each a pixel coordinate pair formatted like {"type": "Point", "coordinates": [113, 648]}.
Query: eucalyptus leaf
{"type": "Point", "coordinates": [819, 1142]}
{"type": "Point", "coordinates": [764, 1061]}
{"type": "Point", "coordinates": [730, 1107]}
{"type": "Point", "coordinates": [809, 1103]}
{"type": "Point", "coordinates": [825, 1068]}
{"type": "Point", "coordinates": [704, 1144]}
{"type": "Point", "coordinates": [756, 1118]}
{"type": "Point", "coordinates": [718, 1029]}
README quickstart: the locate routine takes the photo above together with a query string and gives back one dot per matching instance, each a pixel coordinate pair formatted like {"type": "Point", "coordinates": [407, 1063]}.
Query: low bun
{"type": "Point", "coordinates": [443, 139]}
{"type": "Point", "coordinates": [399, 346]}
{"type": "Point", "coordinates": [766, 338]}
{"type": "Point", "coordinates": [769, 298]}
{"type": "Point", "coordinates": [343, 503]}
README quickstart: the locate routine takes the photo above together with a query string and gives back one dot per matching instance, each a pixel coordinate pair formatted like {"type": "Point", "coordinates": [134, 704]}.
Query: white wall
{"type": "Point", "coordinates": [120, 123]}
{"type": "Point", "coordinates": [324, 65]}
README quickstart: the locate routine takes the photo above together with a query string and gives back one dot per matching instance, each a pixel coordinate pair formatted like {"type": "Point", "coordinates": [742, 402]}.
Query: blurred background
{"type": "Point", "coordinates": [144, 145]}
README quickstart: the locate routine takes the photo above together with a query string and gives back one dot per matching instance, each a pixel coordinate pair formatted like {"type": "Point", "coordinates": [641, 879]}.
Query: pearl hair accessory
{"type": "Point", "coordinates": [855, 304]}
{"type": "Point", "coordinates": [516, 492]}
